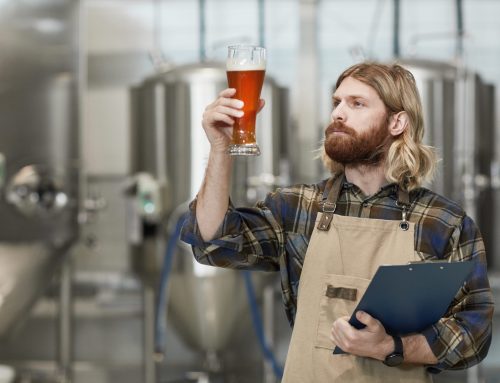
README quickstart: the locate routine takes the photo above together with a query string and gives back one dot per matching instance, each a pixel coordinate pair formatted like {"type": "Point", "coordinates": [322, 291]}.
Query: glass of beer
{"type": "Point", "coordinates": [246, 65]}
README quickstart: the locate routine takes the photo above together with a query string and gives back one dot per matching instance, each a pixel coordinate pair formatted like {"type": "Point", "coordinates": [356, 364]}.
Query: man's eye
{"type": "Point", "coordinates": [358, 104]}
{"type": "Point", "coordinates": [335, 104]}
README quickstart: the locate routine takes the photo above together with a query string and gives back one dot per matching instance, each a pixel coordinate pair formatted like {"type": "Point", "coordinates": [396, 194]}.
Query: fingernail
{"type": "Point", "coordinates": [240, 104]}
{"type": "Point", "coordinates": [240, 113]}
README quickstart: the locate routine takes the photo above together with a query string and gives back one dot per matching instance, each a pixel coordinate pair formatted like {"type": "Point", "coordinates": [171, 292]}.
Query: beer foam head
{"type": "Point", "coordinates": [246, 57]}
{"type": "Point", "coordinates": [240, 64]}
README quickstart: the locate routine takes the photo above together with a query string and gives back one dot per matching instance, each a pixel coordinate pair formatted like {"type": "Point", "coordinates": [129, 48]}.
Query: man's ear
{"type": "Point", "coordinates": [399, 123]}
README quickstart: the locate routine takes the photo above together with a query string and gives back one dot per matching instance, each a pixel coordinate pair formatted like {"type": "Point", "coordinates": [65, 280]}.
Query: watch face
{"type": "Point", "coordinates": [393, 360]}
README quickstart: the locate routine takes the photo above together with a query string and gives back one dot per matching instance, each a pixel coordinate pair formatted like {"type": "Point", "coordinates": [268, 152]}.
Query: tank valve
{"type": "Point", "coordinates": [32, 191]}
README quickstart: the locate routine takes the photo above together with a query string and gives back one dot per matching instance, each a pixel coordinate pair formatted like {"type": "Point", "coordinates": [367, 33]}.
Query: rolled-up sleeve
{"type": "Point", "coordinates": [248, 238]}
{"type": "Point", "coordinates": [462, 338]}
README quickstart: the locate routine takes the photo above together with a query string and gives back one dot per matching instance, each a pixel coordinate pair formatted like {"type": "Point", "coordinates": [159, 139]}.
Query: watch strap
{"type": "Point", "coordinates": [396, 357]}
{"type": "Point", "coordinates": [398, 345]}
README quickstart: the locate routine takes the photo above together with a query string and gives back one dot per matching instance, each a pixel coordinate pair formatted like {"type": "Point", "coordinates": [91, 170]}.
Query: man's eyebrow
{"type": "Point", "coordinates": [350, 97]}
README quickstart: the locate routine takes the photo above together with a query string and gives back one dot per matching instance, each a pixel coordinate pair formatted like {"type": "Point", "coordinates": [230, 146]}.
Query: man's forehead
{"type": "Point", "coordinates": [350, 87]}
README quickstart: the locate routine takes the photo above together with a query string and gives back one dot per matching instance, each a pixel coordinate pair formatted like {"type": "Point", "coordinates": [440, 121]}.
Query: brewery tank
{"type": "Point", "coordinates": [170, 147]}
{"type": "Point", "coordinates": [39, 151]}
{"type": "Point", "coordinates": [458, 107]}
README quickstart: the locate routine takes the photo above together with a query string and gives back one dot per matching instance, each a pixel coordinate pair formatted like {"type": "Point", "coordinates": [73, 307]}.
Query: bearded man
{"type": "Point", "coordinates": [373, 210]}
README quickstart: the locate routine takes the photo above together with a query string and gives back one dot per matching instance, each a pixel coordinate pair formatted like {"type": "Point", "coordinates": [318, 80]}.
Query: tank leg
{"type": "Point", "coordinates": [65, 325]}
{"type": "Point", "coordinates": [149, 333]}
{"type": "Point", "coordinates": [474, 374]}
{"type": "Point", "coordinates": [268, 315]}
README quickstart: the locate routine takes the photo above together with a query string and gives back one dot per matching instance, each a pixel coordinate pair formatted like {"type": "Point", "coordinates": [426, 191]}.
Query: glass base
{"type": "Point", "coordinates": [244, 150]}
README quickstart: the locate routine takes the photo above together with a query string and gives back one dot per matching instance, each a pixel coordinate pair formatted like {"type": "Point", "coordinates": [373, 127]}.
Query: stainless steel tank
{"type": "Point", "coordinates": [459, 121]}
{"type": "Point", "coordinates": [39, 152]}
{"type": "Point", "coordinates": [170, 146]}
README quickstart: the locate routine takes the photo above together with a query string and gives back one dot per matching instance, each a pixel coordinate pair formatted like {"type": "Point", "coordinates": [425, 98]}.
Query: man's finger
{"type": "Point", "coordinates": [343, 334]}
{"type": "Point", "coordinates": [335, 334]}
{"type": "Point", "coordinates": [262, 103]}
{"type": "Point", "coordinates": [228, 92]}
{"type": "Point", "coordinates": [230, 102]}
{"type": "Point", "coordinates": [368, 320]}
{"type": "Point", "coordinates": [221, 117]}
{"type": "Point", "coordinates": [229, 111]}
{"type": "Point", "coordinates": [343, 329]}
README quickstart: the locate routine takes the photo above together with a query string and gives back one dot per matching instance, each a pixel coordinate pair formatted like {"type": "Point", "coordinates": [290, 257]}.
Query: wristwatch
{"type": "Point", "coordinates": [396, 357]}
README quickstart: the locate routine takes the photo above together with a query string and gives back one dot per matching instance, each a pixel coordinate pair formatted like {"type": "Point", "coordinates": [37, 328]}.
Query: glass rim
{"type": "Point", "coordinates": [245, 46]}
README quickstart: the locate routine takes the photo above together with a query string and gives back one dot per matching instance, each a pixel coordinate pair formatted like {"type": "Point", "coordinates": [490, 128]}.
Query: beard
{"type": "Point", "coordinates": [352, 148]}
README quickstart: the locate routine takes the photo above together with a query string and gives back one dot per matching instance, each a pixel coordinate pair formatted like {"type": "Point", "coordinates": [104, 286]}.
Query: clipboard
{"type": "Point", "coordinates": [409, 298]}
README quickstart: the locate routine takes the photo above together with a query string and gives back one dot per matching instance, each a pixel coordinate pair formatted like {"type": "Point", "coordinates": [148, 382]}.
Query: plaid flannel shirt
{"type": "Point", "coordinates": [274, 236]}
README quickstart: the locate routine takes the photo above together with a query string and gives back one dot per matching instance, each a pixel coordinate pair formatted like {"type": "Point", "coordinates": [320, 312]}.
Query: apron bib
{"type": "Point", "coordinates": [343, 255]}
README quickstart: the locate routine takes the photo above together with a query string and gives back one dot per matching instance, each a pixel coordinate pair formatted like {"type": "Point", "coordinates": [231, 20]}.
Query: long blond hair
{"type": "Point", "coordinates": [408, 161]}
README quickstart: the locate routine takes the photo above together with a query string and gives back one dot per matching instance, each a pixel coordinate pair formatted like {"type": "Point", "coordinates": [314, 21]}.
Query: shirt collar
{"type": "Point", "coordinates": [385, 191]}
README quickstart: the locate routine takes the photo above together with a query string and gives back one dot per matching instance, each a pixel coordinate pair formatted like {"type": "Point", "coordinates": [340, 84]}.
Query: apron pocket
{"type": "Point", "coordinates": [339, 297]}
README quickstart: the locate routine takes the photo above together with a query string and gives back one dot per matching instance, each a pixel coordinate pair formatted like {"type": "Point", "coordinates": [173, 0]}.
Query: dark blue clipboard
{"type": "Point", "coordinates": [409, 298]}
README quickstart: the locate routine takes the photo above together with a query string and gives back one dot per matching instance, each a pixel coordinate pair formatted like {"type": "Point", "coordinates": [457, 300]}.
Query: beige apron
{"type": "Point", "coordinates": [343, 254]}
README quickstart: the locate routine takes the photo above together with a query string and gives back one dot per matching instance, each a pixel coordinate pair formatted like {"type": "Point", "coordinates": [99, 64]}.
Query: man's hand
{"type": "Point", "coordinates": [219, 117]}
{"type": "Point", "coordinates": [371, 341]}
{"type": "Point", "coordinates": [213, 197]}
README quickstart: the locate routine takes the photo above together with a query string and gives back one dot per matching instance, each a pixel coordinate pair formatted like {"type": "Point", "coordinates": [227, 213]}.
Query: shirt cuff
{"type": "Point", "coordinates": [437, 348]}
{"type": "Point", "coordinates": [227, 234]}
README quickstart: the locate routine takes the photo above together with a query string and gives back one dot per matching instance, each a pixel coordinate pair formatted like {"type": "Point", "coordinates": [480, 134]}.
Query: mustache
{"type": "Point", "coordinates": [339, 126]}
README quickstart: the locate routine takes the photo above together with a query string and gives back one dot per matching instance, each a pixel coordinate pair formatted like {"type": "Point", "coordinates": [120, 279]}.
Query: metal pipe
{"type": "Point", "coordinates": [262, 23]}
{"type": "Point", "coordinates": [159, 125]}
{"type": "Point", "coordinates": [157, 26]}
{"type": "Point", "coordinates": [65, 324]}
{"type": "Point", "coordinates": [203, 34]}
{"type": "Point", "coordinates": [397, 16]}
{"type": "Point", "coordinates": [306, 96]}
{"type": "Point", "coordinates": [460, 29]}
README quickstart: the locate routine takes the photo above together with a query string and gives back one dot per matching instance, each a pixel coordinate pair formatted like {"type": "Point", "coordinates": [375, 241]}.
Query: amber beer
{"type": "Point", "coordinates": [245, 72]}
{"type": "Point", "coordinates": [248, 84]}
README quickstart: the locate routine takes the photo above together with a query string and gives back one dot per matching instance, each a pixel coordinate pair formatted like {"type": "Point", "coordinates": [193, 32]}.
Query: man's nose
{"type": "Point", "coordinates": [338, 114]}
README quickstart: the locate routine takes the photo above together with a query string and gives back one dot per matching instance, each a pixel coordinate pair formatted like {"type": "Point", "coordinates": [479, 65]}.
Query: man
{"type": "Point", "coordinates": [332, 236]}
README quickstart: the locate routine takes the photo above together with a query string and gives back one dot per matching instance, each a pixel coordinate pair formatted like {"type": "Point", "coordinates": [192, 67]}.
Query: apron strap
{"type": "Point", "coordinates": [330, 204]}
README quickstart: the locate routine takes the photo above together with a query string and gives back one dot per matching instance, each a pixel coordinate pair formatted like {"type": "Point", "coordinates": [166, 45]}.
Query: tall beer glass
{"type": "Point", "coordinates": [246, 65]}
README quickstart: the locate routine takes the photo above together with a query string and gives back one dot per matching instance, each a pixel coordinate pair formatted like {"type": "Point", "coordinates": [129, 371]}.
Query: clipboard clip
{"type": "Point", "coordinates": [429, 261]}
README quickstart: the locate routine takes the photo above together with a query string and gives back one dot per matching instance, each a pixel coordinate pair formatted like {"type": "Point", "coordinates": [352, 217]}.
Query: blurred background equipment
{"type": "Point", "coordinates": [39, 145]}
{"type": "Point", "coordinates": [101, 149]}
{"type": "Point", "coordinates": [459, 119]}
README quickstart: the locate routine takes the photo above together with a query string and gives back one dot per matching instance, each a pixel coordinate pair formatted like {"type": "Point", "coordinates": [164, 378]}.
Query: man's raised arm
{"type": "Point", "coordinates": [213, 197]}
